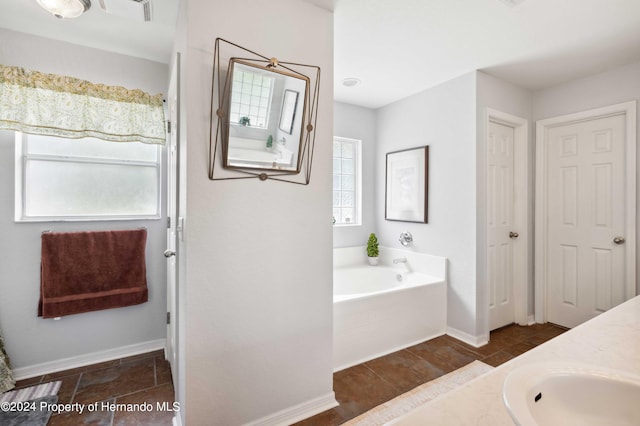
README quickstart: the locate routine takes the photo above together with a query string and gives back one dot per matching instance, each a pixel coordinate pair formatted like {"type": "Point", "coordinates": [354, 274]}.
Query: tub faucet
{"type": "Point", "coordinates": [406, 239]}
{"type": "Point", "coordinates": [400, 260]}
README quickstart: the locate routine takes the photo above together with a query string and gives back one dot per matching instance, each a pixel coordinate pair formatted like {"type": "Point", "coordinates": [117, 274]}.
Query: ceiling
{"type": "Point", "coordinates": [401, 47]}
{"type": "Point", "coordinates": [96, 28]}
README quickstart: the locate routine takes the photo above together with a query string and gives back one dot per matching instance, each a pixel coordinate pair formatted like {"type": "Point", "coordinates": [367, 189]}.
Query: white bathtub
{"type": "Point", "coordinates": [381, 309]}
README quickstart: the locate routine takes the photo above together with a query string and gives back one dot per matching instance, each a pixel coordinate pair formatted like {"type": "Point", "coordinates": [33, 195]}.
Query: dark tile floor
{"type": "Point", "coordinates": [146, 379]}
{"type": "Point", "coordinates": [142, 379]}
{"type": "Point", "coordinates": [364, 386]}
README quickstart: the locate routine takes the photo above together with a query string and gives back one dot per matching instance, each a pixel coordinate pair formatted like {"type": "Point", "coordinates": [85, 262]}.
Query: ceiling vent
{"type": "Point", "coordinates": [138, 10]}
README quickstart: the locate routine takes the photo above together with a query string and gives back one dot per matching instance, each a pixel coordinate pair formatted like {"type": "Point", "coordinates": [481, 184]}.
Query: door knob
{"type": "Point", "coordinates": [513, 235]}
{"type": "Point", "coordinates": [619, 240]}
{"type": "Point", "coordinates": [169, 253]}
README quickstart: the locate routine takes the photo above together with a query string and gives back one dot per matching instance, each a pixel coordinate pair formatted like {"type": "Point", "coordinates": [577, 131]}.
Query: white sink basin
{"type": "Point", "coordinates": [556, 393]}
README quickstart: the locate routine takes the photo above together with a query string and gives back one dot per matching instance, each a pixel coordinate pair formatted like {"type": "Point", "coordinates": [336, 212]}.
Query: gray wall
{"type": "Point", "coordinates": [258, 290]}
{"type": "Point", "coordinates": [29, 339]}
{"type": "Point", "coordinates": [354, 122]}
{"type": "Point", "coordinates": [443, 117]}
{"type": "Point", "coordinates": [608, 88]}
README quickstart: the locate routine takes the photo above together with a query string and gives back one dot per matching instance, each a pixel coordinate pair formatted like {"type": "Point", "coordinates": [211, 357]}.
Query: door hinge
{"type": "Point", "coordinates": [168, 126]}
{"type": "Point", "coordinates": [168, 221]}
{"type": "Point", "coordinates": [168, 318]}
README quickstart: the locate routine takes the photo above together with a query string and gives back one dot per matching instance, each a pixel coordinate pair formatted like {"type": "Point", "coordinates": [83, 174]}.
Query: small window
{"type": "Point", "coordinates": [250, 99]}
{"type": "Point", "coordinates": [85, 179]}
{"type": "Point", "coordinates": [346, 181]}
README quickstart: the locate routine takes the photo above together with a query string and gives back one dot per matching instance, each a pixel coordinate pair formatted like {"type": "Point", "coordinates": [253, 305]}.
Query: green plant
{"type": "Point", "coordinates": [270, 141]}
{"type": "Point", "coordinates": [372, 246]}
{"type": "Point", "coordinates": [245, 121]}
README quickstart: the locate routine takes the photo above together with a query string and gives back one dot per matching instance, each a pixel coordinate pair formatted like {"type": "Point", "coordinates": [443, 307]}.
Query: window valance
{"type": "Point", "coordinates": [54, 105]}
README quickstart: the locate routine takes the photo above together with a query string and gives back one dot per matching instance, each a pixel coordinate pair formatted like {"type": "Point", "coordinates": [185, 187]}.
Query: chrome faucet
{"type": "Point", "coordinates": [400, 260]}
{"type": "Point", "coordinates": [406, 239]}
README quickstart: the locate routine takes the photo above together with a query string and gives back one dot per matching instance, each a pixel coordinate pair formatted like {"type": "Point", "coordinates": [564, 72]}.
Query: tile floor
{"type": "Point", "coordinates": [367, 385]}
{"type": "Point", "coordinates": [139, 379]}
{"type": "Point", "coordinates": [146, 378]}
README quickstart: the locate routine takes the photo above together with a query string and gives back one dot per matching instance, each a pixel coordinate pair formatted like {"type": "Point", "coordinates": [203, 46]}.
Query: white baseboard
{"type": "Point", "coordinates": [531, 319]}
{"type": "Point", "coordinates": [87, 359]}
{"type": "Point", "coordinates": [467, 338]}
{"type": "Point", "coordinates": [298, 412]}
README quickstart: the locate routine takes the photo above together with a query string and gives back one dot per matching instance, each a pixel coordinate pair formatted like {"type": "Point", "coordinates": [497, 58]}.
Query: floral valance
{"type": "Point", "coordinates": [49, 104]}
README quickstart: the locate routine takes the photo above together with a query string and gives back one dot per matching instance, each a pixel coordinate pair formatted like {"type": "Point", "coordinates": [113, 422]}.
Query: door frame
{"type": "Point", "coordinates": [174, 226]}
{"type": "Point", "coordinates": [520, 211]}
{"type": "Point", "coordinates": [541, 226]}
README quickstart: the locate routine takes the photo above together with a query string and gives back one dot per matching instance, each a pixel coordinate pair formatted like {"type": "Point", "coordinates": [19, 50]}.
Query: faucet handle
{"type": "Point", "coordinates": [406, 239]}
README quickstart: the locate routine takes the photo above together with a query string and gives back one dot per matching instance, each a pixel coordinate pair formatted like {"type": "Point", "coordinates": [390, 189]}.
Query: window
{"type": "Point", "coordinates": [250, 97]}
{"type": "Point", "coordinates": [346, 181]}
{"type": "Point", "coordinates": [85, 179]}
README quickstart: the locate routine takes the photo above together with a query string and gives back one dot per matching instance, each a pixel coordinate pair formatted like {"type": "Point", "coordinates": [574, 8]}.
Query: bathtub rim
{"type": "Point", "coordinates": [427, 264]}
{"type": "Point", "coordinates": [428, 280]}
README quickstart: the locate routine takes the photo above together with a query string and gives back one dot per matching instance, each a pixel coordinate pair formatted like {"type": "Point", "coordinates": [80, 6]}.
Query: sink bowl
{"type": "Point", "coordinates": [555, 393]}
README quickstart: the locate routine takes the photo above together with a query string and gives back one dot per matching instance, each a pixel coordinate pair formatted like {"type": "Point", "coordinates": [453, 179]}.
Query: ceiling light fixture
{"type": "Point", "coordinates": [65, 8]}
{"type": "Point", "coordinates": [351, 82]}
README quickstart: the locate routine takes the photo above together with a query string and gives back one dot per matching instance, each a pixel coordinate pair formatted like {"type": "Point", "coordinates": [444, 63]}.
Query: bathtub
{"type": "Point", "coordinates": [381, 309]}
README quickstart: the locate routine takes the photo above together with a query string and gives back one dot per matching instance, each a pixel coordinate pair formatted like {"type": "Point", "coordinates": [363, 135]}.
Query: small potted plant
{"type": "Point", "coordinates": [245, 121]}
{"type": "Point", "coordinates": [372, 249]}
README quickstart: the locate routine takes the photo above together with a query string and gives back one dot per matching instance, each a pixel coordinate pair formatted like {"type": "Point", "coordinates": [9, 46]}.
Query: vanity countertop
{"type": "Point", "coordinates": [610, 340]}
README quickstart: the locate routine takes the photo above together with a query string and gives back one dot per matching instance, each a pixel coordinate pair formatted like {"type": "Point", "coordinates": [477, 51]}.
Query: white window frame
{"type": "Point", "coordinates": [252, 97]}
{"type": "Point", "coordinates": [357, 143]}
{"type": "Point", "coordinates": [21, 158]}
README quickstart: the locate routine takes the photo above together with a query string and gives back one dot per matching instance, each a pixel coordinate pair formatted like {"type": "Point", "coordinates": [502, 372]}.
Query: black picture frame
{"type": "Point", "coordinates": [407, 185]}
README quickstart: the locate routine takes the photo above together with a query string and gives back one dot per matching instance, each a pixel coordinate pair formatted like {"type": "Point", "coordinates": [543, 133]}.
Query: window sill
{"type": "Point", "coordinates": [346, 225]}
{"type": "Point", "coordinates": [86, 219]}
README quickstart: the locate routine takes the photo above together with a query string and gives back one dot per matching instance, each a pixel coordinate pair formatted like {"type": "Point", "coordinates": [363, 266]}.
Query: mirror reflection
{"type": "Point", "coordinates": [265, 117]}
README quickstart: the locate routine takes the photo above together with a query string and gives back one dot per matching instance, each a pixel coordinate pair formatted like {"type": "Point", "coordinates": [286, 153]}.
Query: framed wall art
{"type": "Point", "coordinates": [406, 189]}
{"type": "Point", "coordinates": [288, 113]}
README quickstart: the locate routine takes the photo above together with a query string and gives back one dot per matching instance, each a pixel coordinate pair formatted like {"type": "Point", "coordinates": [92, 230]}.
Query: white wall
{"type": "Point", "coordinates": [258, 306]}
{"type": "Point", "coordinates": [354, 122]}
{"type": "Point", "coordinates": [443, 117]}
{"type": "Point", "coordinates": [29, 339]}
{"type": "Point", "coordinates": [611, 87]}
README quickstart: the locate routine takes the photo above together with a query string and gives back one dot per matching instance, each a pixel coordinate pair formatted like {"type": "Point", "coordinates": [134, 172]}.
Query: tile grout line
{"type": "Point", "coordinates": [382, 378]}
{"type": "Point", "coordinates": [75, 389]}
{"type": "Point", "coordinates": [421, 358]}
{"type": "Point", "coordinates": [113, 414]}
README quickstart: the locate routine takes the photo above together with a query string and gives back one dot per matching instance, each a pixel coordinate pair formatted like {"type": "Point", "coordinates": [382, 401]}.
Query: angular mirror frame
{"type": "Point", "coordinates": [219, 116]}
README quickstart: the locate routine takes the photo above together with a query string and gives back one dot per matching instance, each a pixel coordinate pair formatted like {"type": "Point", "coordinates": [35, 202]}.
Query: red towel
{"type": "Point", "coordinates": [90, 271]}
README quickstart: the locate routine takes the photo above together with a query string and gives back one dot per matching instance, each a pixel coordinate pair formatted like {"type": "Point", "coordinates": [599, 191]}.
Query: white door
{"type": "Point", "coordinates": [500, 226]}
{"type": "Point", "coordinates": [172, 252]}
{"type": "Point", "coordinates": [586, 210]}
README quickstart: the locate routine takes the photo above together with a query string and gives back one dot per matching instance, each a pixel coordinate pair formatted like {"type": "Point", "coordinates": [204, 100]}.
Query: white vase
{"type": "Point", "coordinates": [373, 261]}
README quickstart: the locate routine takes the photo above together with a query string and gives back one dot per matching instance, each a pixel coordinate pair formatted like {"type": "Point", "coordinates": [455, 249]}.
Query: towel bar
{"type": "Point", "coordinates": [49, 230]}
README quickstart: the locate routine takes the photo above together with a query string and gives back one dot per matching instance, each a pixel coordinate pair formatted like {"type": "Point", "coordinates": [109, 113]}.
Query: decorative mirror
{"type": "Point", "coordinates": [262, 129]}
{"type": "Point", "coordinates": [264, 117]}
